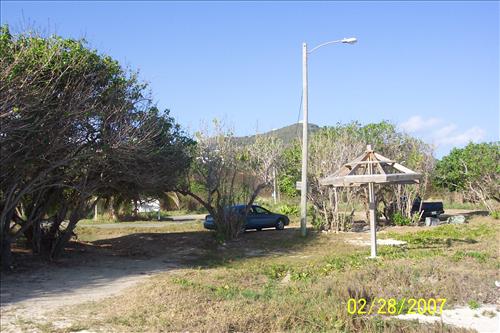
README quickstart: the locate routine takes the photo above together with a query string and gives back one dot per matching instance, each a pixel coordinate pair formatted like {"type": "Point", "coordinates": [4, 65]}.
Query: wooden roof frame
{"type": "Point", "coordinates": [371, 161]}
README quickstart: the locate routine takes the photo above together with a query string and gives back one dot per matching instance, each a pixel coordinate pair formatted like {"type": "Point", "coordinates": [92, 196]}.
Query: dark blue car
{"type": "Point", "coordinates": [257, 218]}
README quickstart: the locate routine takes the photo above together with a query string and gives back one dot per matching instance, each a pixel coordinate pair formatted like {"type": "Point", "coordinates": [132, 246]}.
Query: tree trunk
{"type": "Point", "coordinates": [112, 209]}
{"type": "Point", "coordinates": [37, 235]}
{"type": "Point", "coordinates": [65, 236]}
{"type": "Point", "coordinates": [136, 210]}
{"type": "Point", "coordinates": [6, 253]}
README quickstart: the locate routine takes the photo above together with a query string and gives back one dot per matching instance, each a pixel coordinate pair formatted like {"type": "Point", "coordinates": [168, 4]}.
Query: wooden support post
{"type": "Point", "coordinates": [373, 220]}
{"type": "Point", "coordinates": [372, 207]}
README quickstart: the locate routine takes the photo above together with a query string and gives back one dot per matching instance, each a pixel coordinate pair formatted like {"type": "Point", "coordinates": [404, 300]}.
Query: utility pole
{"type": "Point", "coordinates": [303, 190]}
{"type": "Point", "coordinates": [275, 192]}
{"type": "Point", "coordinates": [305, 128]}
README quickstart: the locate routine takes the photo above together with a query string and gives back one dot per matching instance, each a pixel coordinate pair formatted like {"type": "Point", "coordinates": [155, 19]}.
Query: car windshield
{"type": "Point", "coordinates": [260, 210]}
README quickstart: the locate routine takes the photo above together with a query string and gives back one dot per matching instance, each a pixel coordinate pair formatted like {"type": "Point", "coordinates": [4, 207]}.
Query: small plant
{"type": "Point", "coordinates": [495, 214]}
{"type": "Point", "coordinates": [479, 256]}
{"type": "Point", "coordinates": [286, 209]}
{"type": "Point", "coordinates": [400, 220]}
{"type": "Point", "coordinates": [318, 222]}
{"type": "Point", "coordinates": [301, 276]}
{"type": "Point", "coordinates": [473, 304]}
{"type": "Point", "coordinates": [490, 314]}
{"type": "Point", "coordinates": [253, 295]}
{"type": "Point", "coordinates": [226, 291]}
{"type": "Point", "coordinates": [277, 271]}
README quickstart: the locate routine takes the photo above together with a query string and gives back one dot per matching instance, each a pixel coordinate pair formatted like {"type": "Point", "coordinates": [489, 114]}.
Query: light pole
{"type": "Point", "coordinates": [305, 134]}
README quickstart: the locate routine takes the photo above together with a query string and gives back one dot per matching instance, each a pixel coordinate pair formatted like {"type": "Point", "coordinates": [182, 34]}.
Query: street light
{"type": "Point", "coordinates": [303, 185]}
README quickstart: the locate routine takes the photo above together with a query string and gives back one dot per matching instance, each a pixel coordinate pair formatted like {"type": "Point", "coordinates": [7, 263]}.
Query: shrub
{"type": "Point", "coordinates": [495, 214]}
{"type": "Point", "coordinates": [400, 220]}
{"type": "Point", "coordinates": [286, 209]}
{"type": "Point", "coordinates": [473, 304]}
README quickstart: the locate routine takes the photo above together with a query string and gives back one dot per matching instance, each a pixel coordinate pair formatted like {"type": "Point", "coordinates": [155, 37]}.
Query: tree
{"type": "Point", "coordinates": [74, 127]}
{"type": "Point", "coordinates": [290, 169]}
{"type": "Point", "coordinates": [474, 171]}
{"type": "Point", "coordinates": [224, 173]}
{"type": "Point", "coordinates": [331, 147]}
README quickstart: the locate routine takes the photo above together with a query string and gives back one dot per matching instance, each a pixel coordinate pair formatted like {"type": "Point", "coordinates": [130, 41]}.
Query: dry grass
{"type": "Point", "coordinates": [277, 281]}
{"type": "Point", "coordinates": [90, 233]}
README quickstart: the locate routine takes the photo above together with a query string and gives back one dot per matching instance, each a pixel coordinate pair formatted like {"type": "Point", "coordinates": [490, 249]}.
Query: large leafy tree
{"type": "Point", "coordinates": [474, 171]}
{"type": "Point", "coordinates": [74, 126]}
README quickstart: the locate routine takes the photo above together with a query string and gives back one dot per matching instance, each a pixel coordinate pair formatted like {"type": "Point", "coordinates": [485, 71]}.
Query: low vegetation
{"type": "Point", "coordinates": [278, 281]}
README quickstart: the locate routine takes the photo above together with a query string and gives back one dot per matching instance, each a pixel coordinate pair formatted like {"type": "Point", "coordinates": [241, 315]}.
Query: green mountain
{"type": "Point", "coordinates": [288, 134]}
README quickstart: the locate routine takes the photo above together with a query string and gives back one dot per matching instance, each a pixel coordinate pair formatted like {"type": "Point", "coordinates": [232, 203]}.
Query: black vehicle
{"type": "Point", "coordinates": [427, 209]}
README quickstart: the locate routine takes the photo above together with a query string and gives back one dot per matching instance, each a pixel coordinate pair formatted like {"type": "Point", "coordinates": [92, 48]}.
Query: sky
{"type": "Point", "coordinates": [431, 68]}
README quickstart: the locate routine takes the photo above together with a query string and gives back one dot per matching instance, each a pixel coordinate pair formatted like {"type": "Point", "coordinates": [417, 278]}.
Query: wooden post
{"type": "Point", "coordinates": [373, 220]}
{"type": "Point", "coordinates": [95, 212]}
{"type": "Point", "coordinates": [372, 209]}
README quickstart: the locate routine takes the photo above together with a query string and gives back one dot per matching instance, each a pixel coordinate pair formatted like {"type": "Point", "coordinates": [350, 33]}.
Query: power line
{"type": "Point", "coordinates": [298, 117]}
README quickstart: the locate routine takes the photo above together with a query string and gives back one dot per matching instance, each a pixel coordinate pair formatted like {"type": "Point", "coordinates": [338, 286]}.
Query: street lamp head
{"type": "Point", "coordinates": [351, 40]}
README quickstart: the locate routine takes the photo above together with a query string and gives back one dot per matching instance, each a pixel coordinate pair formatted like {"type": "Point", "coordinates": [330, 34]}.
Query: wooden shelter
{"type": "Point", "coordinates": [371, 168]}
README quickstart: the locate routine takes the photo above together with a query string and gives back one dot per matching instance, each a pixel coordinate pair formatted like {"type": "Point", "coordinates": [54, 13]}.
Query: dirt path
{"type": "Point", "coordinates": [93, 271]}
{"type": "Point", "coordinates": [47, 289]}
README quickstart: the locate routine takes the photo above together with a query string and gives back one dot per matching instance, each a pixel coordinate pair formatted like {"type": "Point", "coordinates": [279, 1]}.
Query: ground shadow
{"type": "Point", "coordinates": [468, 214]}
{"type": "Point", "coordinates": [122, 261]}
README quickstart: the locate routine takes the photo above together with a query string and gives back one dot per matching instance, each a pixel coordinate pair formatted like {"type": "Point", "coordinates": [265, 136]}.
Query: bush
{"type": "Point", "coordinates": [286, 209]}
{"type": "Point", "coordinates": [495, 214]}
{"type": "Point", "coordinates": [318, 222]}
{"type": "Point", "coordinates": [400, 220]}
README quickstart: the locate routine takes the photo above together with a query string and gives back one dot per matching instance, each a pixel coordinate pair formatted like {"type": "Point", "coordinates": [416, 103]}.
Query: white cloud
{"type": "Point", "coordinates": [418, 123]}
{"type": "Point", "coordinates": [449, 135]}
{"type": "Point", "coordinates": [445, 131]}
{"type": "Point", "coordinates": [442, 135]}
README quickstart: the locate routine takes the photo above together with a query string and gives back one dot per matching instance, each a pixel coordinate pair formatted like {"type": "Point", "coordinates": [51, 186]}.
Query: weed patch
{"type": "Point", "coordinates": [479, 256]}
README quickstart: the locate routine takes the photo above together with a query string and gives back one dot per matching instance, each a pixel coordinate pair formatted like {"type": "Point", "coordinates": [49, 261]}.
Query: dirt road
{"type": "Point", "coordinates": [90, 272]}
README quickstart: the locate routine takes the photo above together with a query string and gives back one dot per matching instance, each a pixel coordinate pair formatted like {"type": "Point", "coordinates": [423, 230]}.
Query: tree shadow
{"type": "Point", "coordinates": [468, 215]}
{"type": "Point", "coordinates": [118, 262]}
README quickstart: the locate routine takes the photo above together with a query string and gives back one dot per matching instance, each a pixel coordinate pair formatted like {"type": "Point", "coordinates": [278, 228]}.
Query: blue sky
{"type": "Point", "coordinates": [430, 67]}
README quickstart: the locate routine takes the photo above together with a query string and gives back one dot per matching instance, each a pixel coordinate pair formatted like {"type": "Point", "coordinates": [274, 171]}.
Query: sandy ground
{"type": "Point", "coordinates": [90, 272]}
{"type": "Point", "coordinates": [360, 241]}
{"type": "Point", "coordinates": [486, 319]}
{"type": "Point", "coordinates": [47, 289]}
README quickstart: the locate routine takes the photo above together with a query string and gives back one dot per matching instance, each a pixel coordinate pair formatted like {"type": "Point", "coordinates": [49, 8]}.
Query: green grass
{"type": "Point", "coordinates": [479, 256]}
{"type": "Point", "coordinates": [446, 234]}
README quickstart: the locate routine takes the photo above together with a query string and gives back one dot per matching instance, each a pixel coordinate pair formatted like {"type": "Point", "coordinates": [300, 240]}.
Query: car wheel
{"type": "Point", "coordinates": [280, 225]}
